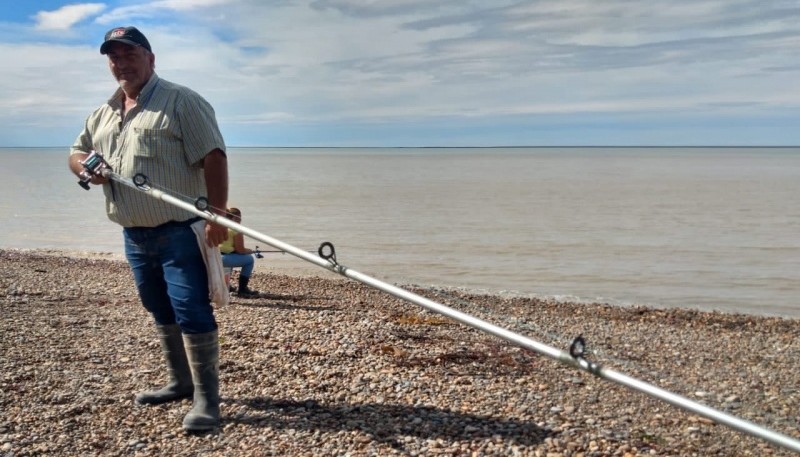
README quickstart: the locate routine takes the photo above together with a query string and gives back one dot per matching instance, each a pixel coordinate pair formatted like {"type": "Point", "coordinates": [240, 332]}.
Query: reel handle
{"type": "Point", "coordinates": [93, 165]}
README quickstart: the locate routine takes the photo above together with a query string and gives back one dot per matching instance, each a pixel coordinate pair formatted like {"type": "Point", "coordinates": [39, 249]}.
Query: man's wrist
{"type": "Point", "coordinates": [217, 210]}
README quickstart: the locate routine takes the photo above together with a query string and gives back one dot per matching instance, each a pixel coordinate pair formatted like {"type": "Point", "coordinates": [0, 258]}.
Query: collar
{"type": "Point", "coordinates": [116, 100]}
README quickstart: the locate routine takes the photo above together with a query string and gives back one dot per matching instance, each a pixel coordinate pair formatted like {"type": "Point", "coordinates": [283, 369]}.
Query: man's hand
{"type": "Point", "coordinates": [215, 234]}
{"type": "Point", "coordinates": [97, 180]}
{"type": "Point", "coordinates": [77, 167]}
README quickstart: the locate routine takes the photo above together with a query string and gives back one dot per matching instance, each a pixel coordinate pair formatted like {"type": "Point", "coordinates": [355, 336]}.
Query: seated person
{"type": "Point", "coordinates": [234, 254]}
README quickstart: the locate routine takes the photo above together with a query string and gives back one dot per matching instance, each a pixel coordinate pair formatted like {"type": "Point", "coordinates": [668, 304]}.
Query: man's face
{"type": "Point", "coordinates": [131, 65]}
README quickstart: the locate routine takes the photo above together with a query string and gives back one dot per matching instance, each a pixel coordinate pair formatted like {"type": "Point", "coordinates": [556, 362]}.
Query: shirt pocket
{"type": "Point", "coordinates": [152, 142]}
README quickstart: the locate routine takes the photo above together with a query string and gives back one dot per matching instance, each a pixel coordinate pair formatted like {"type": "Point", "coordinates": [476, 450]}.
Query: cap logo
{"type": "Point", "coordinates": [117, 33]}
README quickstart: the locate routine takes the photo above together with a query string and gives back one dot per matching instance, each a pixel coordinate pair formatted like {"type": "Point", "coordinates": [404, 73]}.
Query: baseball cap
{"type": "Point", "coordinates": [127, 35]}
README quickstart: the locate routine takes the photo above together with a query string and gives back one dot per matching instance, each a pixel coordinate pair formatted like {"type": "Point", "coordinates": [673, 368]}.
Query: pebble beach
{"type": "Point", "coordinates": [324, 366]}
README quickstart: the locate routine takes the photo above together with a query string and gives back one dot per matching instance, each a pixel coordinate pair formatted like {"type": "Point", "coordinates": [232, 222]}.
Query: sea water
{"type": "Point", "coordinates": [704, 228]}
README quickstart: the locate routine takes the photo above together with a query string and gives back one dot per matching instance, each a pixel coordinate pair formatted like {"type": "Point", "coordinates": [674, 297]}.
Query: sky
{"type": "Point", "coordinates": [408, 73]}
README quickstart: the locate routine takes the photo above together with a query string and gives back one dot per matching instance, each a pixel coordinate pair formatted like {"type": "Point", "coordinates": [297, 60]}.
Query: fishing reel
{"type": "Point", "coordinates": [93, 165]}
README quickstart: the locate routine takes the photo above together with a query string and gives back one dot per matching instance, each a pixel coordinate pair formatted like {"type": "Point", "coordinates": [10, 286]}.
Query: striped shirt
{"type": "Point", "coordinates": [164, 137]}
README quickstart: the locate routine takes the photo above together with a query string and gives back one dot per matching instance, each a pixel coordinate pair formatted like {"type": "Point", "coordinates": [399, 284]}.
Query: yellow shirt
{"type": "Point", "coordinates": [227, 246]}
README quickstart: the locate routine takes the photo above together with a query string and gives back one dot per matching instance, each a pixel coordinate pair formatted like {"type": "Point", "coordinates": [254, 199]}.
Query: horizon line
{"type": "Point", "coordinates": [471, 147]}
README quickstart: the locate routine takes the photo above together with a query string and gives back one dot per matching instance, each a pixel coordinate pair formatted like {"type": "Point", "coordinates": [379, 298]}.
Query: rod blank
{"type": "Point", "coordinates": [564, 357]}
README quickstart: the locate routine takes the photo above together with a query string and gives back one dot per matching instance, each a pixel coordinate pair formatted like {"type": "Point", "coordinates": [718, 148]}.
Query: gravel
{"type": "Point", "coordinates": [318, 366]}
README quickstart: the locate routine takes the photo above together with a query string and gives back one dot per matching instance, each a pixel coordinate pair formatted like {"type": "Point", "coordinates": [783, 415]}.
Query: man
{"type": "Point", "coordinates": [168, 133]}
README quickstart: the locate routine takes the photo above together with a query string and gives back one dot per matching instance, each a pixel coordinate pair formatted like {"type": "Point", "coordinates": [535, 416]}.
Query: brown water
{"type": "Point", "coordinates": [699, 228]}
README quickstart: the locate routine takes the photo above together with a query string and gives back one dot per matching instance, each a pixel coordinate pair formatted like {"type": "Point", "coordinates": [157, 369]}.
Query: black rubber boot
{"type": "Point", "coordinates": [203, 352]}
{"type": "Point", "coordinates": [180, 377]}
{"type": "Point", "coordinates": [244, 291]}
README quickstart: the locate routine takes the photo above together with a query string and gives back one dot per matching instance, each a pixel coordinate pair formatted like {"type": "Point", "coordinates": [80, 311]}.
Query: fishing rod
{"type": "Point", "coordinates": [258, 252]}
{"type": "Point", "coordinates": [326, 258]}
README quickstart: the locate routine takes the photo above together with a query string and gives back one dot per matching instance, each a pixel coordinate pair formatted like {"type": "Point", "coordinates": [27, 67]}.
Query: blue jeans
{"type": "Point", "coordinates": [245, 261]}
{"type": "Point", "coordinates": [171, 275]}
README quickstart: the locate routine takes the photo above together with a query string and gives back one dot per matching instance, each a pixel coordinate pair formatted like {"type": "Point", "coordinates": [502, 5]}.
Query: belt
{"type": "Point", "coordinates": [185, 223]}
{"type": "Point", "coordinates": [169, 224]}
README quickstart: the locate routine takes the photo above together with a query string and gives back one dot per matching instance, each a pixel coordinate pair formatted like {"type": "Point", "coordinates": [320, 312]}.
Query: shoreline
{"type": "Point", "coordinates": [318, 366]}
{"type": "Point", "coordinates": [302, 270]}
{"type": "Point", "coordinates": [288, 265]}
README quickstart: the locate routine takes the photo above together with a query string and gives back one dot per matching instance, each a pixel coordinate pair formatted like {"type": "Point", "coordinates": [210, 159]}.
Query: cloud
{"type": "Point", "coordinates": [67, 16]}
{"type": "Point", "coordinates": [373, 8]}
{"type": "Point", "coordinates": [405, 59]}
{"type": "Point", "coordinates": [399, 62]}
{"type": "Point", "coordinates": [49, 90]}
{"type": "Point", "coordinates": [156, 8]}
